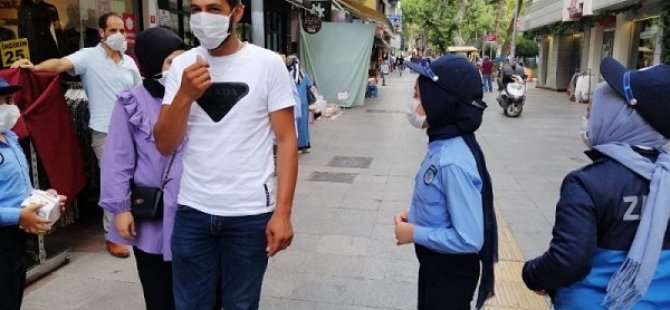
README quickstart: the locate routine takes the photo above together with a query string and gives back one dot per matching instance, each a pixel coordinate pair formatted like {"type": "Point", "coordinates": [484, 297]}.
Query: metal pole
{"type": "Point", "coordinates": [516, 17]}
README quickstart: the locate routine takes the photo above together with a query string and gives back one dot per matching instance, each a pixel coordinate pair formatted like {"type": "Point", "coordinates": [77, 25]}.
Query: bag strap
{"type": "Point", "coordinates": [167, 172]}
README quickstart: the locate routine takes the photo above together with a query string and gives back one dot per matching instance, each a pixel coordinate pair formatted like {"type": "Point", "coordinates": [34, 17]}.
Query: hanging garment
{"type": "Point", "coordinates": [46, 120]}
{"type": "Point", "coordinates": [77, 102]}
{"type": "Point", "coordinates": [35, 21]}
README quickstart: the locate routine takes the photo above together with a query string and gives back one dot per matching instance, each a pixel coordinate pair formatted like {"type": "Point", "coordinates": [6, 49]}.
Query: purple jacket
{"type": "Point", "coordinates": [130, 154]}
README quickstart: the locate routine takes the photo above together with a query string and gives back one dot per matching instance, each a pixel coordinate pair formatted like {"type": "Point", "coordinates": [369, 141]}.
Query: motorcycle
{"type": "Point", "coordinates": [513, 96]}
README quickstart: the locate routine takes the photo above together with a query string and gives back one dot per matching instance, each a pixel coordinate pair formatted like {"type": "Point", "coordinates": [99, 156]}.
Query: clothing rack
{"type": "Point", "coordinates": [78, 106]}
{"type": "Point", "coordinates": [44, 265]}
{"type": "Point", "coordinates": [77, 102]}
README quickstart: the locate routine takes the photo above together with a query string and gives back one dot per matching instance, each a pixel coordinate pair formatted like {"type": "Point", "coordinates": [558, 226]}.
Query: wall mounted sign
{"type": "Point", "coordinates": [311, 23]}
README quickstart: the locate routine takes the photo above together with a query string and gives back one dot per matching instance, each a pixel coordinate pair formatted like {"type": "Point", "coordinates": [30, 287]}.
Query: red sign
{"type": "Point", "coordinates": [152, 19]}
{"type": "Point", "coordinates": [490, 38]}
{"type": "Point", "coordinates": [130, 27]}
{"type": "Point", "coordinates": [575, 9]}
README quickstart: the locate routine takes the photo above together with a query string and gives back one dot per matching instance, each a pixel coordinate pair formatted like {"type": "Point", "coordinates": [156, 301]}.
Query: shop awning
{"type": "Point", "coordinates": [364, 12]}
{"type": "Point", "coordinates": [297, 3]}
{"type": "Point", "coordinates": [460, 49]}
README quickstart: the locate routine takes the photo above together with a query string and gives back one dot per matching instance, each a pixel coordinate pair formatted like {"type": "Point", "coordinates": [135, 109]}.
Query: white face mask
{"type": "Point", "coordinates": [584, 132]}
{"type": "Point", "coordinates": [162, 78]}
{"type": "Point", "coordinates": [9, 114]}
{"type": "Point", "coordinates": [416, 120]}
{"type": "Point", "coordinates": [117, 42]}
{"type": "Point", "coordinates": [210, 29]}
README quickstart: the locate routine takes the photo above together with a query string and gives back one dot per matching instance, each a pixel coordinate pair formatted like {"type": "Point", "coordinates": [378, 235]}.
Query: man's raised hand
{"type": "Point", "coordinates": [195, 79]}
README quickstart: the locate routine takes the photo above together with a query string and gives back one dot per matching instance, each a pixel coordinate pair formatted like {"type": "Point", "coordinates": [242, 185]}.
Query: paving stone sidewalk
{"type": "Point", "coordinates": [359, 174]}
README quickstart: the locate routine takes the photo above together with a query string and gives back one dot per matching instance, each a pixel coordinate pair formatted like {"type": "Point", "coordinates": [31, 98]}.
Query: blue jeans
{"type": "Point", "coordinates": [488, 85]}
{"type": "Point", "coordinates": [206, 248]}
{"type": "Point", "coordinates": [372, 92]}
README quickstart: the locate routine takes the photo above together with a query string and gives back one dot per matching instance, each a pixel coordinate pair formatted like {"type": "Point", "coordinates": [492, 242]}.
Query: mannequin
{"type": "Point", "coordinates": [36, 18]}
{"type": "Point", "coordinates": [71, 31]}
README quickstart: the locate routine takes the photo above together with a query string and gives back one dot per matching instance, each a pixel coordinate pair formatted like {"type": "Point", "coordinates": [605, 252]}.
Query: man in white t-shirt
{"type": "Point", "coordinates": [228, 99]}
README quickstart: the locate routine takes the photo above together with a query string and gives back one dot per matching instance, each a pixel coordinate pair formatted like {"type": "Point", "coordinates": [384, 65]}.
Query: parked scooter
{"type": "Point", "coordinates": [513, 96]}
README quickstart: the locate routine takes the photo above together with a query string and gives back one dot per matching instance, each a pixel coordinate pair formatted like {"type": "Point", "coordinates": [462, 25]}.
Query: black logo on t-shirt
{"type": "Point", "coordinates": [220, 98]}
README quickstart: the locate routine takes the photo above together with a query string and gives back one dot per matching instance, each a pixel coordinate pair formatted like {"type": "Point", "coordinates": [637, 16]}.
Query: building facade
{"type": "Point", "coordinates": [574, 35]}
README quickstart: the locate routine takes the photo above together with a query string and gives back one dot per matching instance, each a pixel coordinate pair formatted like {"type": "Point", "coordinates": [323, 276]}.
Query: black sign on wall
{"type": "Point", "coordinates": [311, 23]}
{"type": "Point", "coordinates": [321, 8]}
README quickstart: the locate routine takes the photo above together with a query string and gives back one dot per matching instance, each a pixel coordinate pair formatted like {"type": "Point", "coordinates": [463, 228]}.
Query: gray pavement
{"type": "Point", "coordinates": [344, 254]}
{"type": "Point", "coordinates": [528, 158]}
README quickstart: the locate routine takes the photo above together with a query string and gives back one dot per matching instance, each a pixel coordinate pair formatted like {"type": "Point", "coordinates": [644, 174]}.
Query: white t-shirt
{"type": "Point", "coordinates": [228, 162]}
{"type": "Point", "coordinates": [103, 80]}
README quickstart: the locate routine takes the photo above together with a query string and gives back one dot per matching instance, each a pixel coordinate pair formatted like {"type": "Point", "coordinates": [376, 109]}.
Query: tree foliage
{"type": "Point", "coordinates": [665, 20]}
{"type": "Point", "coordinates": [439, 21]}
{"type": "Point", "coordinates": [527, 48]}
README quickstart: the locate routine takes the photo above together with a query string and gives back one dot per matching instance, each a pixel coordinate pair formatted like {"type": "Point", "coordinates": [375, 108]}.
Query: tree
{"type": "Point", "coordinates": [527, 48]}
{"type": "Point", "coordinates": [432, 18]}
{"type": "Point", "coordinates": [449, 22]}
{"type": "Point", "coordinates": [665, 20]}
{"type": "Point", "coordinates": [456, 38]}
{"type": "Point", "coordinates": [510, 25]}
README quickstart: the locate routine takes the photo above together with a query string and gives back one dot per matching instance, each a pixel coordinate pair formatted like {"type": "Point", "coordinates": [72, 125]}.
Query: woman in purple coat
{"type": "Point", "coordinates": [131, 157]}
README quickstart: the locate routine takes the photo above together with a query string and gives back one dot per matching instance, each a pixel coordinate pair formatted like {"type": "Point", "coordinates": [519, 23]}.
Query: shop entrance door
{"type": "Point", "coordinates": [576, 54]}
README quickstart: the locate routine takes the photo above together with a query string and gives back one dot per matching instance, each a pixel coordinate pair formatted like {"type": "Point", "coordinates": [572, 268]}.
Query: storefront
{"type": "Point", "coordinates": [175, 15]}
{"type": "Point", "coordinates": [608, 41]}
{"type": "Point", "coordinates": [57, 28]}
{"type": "Point", "coordinates": [277, 21]}
{"type": "Point", "coordinates": [646, 43]}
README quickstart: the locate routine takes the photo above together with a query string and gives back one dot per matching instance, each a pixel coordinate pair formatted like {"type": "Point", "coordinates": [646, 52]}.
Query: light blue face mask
{"type": "Point", "coordinates": [9, 115]}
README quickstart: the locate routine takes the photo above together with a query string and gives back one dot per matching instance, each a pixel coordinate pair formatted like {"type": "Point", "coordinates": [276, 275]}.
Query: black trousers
{"type": "Point", "coordinates": [446, 281]}
{"type": "Point", "coordinates": [12, 267]}
{"type": "Point", "coordinates": [156, 277]}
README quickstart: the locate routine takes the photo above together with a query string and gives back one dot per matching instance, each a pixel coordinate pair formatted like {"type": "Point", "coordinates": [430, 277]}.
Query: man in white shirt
{"type": "Point", "coordinates": [228, 99]}
{"type": "Point", "coordinates": [105, 72]}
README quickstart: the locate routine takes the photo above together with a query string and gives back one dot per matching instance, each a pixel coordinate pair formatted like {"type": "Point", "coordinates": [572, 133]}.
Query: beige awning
{"type": "Point", "coordinates": [459, 49]}
{"type": "Point", "coordinates": [366, 13]}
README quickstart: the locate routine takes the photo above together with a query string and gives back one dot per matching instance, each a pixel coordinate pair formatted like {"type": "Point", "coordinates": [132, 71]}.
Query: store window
{"type": "Point", "coordinates": [645, 43]}
{"type": "Point", "coordinates": [56, 28]}
{"type": "Point", "coordinates": [175, 15]}
{"type": "Point", "coordinates": [608, 42]}
{"type": "Point", "coordinates": [244, 30]}
{"type": "Point", "coordinates": [277, 34]}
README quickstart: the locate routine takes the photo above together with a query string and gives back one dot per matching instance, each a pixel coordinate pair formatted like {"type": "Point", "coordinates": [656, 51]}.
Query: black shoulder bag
{"type": "Point", "coordinates": [146, 202]}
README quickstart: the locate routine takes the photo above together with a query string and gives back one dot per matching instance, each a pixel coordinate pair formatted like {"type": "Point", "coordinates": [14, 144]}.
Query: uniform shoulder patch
{"type": "Point", "coordinates": [429, 175]}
